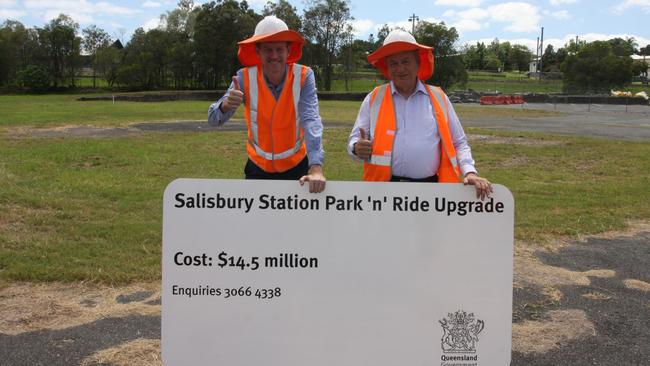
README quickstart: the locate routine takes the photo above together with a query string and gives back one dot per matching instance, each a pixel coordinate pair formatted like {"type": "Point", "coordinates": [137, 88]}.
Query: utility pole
{"type": "Point", "coordinates": [349, 66]}
{"type": "Point", "coordinates": [413, 18]}
{"type": "Point", "coordinates": [537, 56]}
{"type": "Point", "coordinates": [541, 53]}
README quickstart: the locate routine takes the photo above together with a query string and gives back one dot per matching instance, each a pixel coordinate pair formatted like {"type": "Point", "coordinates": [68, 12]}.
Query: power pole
{"type": "Point", "coordinates": [413, 18]}
{"type": "Point", "coordinates": [541, 53]}
{"type": "Point", "coordinates": [537, 56]}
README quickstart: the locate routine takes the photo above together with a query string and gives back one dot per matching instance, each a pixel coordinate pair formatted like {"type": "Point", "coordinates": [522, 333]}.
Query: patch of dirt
{"type": "Point", "coordinates": [530, 271]}
{"type": "Point", "coordinates": [558, 328]}
{"type": "Point", "coordinates": [637, 285]}
{"type": "Point", "coordinates": [76, 131]}
{"type": "Point", "coordinates": [28, 307]}
{"type": "Point", "coordinates": [141, 352]}
{"type": "Point", "coordinates": [512, 140]}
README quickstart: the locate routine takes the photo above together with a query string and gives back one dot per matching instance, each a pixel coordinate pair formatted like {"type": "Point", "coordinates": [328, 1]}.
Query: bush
{"type": "Point", "coordinates": [36, 78]}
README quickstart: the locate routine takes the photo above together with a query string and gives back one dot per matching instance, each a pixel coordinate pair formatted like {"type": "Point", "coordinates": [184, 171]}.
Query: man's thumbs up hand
{"type": "Point", "coordinates": [363, 146]}
{"type": "Point", "coordinates": [234, 98]}
{"type": "Point", "coordinates": [235, 83]}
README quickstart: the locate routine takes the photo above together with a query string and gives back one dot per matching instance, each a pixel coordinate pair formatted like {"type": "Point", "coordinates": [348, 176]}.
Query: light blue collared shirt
{"type": "Point", "coordinates": [310, 120]}
{"type": "Point", "coordinates": [416, 152]}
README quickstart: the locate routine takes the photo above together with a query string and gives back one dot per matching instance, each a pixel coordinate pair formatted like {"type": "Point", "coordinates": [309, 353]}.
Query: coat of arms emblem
{"type": "Point", "coordinates": [461, 332]}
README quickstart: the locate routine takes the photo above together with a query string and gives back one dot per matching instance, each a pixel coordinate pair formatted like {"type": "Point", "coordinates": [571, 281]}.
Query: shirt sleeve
{"type": "Point", "coordinates": [310, 120]}
{"type": "Point", "coordinates": [363, 121]}
{"type": "Point", "coordinates": [215, 116]}
{"type": "Point", "coordinates": [463, 151]}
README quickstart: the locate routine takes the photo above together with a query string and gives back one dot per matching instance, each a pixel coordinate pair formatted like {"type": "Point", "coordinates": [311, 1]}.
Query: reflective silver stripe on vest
{"type": "Point", "coordinates": [382, 160]}
{"type": "Point", "coordinates": [253, 96]}
{"type": "Point", "coordinates": [443, 106]}
{"type": "Point", "coordinates": [296, 88]}
{"type": "Point", "coordinates": [272, 156]}
{"type": "Point", "coordinates": [374, 108]}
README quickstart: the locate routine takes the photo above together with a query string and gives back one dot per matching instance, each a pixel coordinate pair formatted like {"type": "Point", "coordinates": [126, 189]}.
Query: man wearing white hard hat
{"type": "Point", "coordinates": [407, 131]}
{"type": "Point", "coordinates": [281, 107]}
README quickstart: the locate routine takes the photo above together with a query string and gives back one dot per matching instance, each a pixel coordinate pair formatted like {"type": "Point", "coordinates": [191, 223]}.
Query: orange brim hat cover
{"type": "Point", "coordinates": [376, 58]}
{"type": "Point", "coordinates": [248, 57]}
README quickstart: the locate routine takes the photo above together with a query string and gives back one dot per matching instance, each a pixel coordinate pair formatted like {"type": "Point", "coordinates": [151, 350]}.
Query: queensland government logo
{"type": "Point", "coordinates": [461, 332]}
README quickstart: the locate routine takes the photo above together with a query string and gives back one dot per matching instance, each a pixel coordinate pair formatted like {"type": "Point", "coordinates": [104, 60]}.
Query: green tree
{"type": "Point", "coordinates": [520, 57]}
{"type": "Point", "coordinates": [182, 19]}
{"type": "Point", "coordinates": [19, 47]}
{"type": "Point", "coordinates": [623, 47]}
{"type": "Point", "coordinates": [505, 55]}
{"type": "Point", "coordinates": [285, 11]}
{"type": "Point", "coordinates": [640, 68]}
{"type": "Point", "coordinates": [449, 64]}
{"type": "Point", "coordinates": [549, 58]}
{"type": "Point", "coordinates": [179, 25]}
{"type": "Point", "coordinates": [495, 50]}
{"type": "Point", "coordinates": [216, 49]}
{"type": "Point", "coordinates": [595, 68]}
{"type": "Point", "coordinates": [492, 62]}
{"type": "Point", "coordinates": [475, 56]}
{"type": "Point", "coordinates": [181, 58]}
{"type": "Point", "coordinates": [146, 59]}
{"type": "Point", "coordinates": [94, 40]}
{"type": "Point", "coordinates": [58, 39]}
{"type": "Point", "coordinates": [326, 24]}
{"type": "Point", "coordinates": [382, 33]}
{"type": "Point", "coordinates": [573, 47]}
{"type": "Point", "coordinates": [108, 63]}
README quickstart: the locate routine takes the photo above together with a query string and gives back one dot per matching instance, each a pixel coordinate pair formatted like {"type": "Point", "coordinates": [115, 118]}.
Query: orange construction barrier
{"type": "Point", "coordinates": [486, 100]}
{"type": "Point", "coordinates": [500, 99]}
{"type": "Point", "coordinates": [518, 99]}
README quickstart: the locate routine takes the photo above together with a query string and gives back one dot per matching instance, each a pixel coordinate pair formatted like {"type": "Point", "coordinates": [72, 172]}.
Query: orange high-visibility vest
{"type": "Point", "coordinates": [275, 138]}
{"type": "Point", "coordinates": [383, 125]}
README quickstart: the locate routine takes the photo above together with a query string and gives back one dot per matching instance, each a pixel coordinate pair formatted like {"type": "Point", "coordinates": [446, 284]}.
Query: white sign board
{"type": "Point", "coordinates": [265, 273]}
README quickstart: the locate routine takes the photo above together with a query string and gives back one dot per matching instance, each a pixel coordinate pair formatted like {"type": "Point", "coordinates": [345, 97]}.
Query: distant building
{"type": "Point", "coordinates": [117, 44]}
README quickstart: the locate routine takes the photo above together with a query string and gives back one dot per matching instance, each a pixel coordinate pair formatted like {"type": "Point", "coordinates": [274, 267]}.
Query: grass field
{"type": "Point", "coordinates": [89, 209]}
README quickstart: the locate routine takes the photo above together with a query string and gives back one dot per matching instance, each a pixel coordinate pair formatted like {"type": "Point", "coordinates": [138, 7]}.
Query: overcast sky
{"type": "Point", "coordinates": [476, 20]}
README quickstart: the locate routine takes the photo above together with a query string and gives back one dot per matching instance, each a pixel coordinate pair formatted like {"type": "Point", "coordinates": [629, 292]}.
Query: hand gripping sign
{"type": "Point", "coordinates": [264, 273]}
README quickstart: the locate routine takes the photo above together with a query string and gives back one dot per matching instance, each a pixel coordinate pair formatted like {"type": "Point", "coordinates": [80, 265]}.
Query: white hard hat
{"type": "Point", "coordinates": [270, 24]}
{"type": "Point", "coordinates": [398, 35]}
{"type": "Point", "coordinates": [270, 29]}
{"type": "Point", "coordinates": [398, 41]}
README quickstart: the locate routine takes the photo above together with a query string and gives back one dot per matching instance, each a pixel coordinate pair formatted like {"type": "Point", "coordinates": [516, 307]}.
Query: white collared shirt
{"type": "Point", "coordinates": [416, 152]}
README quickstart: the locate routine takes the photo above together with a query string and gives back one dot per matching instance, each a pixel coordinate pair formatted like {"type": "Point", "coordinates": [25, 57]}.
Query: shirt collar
{"type": "Point", "coordinates": [279, 86]}
{"type": "Point", "coordinates": [419, 88]}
